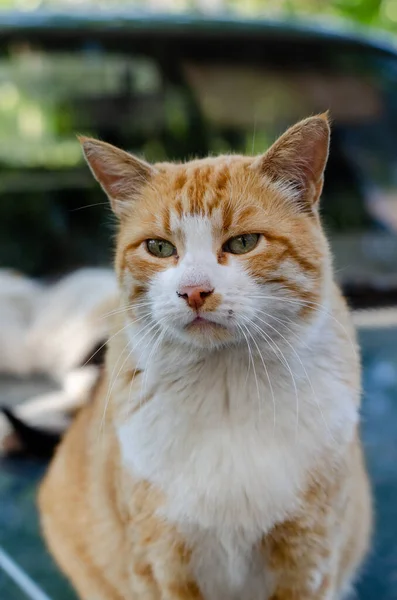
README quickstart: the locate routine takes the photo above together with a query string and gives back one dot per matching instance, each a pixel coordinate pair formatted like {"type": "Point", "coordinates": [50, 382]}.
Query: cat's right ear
{"type": "Point", "coordinates": [120, 174]}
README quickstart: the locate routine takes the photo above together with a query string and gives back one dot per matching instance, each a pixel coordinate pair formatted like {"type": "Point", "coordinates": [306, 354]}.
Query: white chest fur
{"type": "Point", "coordinates": [230, 461]}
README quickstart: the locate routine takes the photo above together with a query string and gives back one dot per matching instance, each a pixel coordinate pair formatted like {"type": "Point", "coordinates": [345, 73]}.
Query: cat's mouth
{"type": "Point", "coordinates": [207, 333]}
{"type": "Point", "coordinates": [203, 324]}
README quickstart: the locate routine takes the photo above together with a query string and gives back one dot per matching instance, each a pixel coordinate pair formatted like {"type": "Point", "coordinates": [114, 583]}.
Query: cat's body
{"type": "Point", "coordinates": [218, 462]}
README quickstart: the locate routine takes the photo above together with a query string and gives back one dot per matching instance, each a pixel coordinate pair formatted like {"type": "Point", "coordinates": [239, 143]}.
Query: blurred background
{"type": "Point", "coordinates": [205, 77]}
{"type": "Point", "coordinates": [173, 79]}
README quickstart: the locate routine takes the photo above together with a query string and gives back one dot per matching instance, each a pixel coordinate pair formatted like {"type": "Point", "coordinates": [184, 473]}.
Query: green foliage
{"type": "Point", "coordinates": [381, 14]}
{"type": "Point", "coordinates": [375, 13]}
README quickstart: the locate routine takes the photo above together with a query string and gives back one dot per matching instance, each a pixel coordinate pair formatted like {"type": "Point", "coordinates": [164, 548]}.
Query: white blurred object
{"type": "Point", "coordinates": [53, 410]}
{"type": "Point", "coordinates": [53, 330]}
{"type": "Point", "coordinates": [71, 320]}
{"type": "Point", "coordinates": [19, 298]}
{"type": "Point", "coordinates": [380, 318]}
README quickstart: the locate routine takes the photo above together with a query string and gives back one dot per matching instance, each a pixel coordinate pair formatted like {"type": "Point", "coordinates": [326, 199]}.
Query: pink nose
{"type": "Point", "coordinates": [195, 295]}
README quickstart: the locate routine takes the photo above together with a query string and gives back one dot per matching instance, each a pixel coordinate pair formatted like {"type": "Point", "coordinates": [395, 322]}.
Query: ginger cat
{"type": "Point", "coordinates": [220, 458]}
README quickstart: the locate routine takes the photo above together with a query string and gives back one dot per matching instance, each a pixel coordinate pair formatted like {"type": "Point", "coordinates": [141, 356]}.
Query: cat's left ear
{"type": "Point", "coordinates": [297, 160]}
{"type": "Point", "coordinates": [121, 175]}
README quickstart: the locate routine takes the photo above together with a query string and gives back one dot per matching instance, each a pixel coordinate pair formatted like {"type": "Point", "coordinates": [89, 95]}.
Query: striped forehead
{"type": "Point", "coordinates": [197, 190]}
{"type": "Point", "coordinates": [200, 188]}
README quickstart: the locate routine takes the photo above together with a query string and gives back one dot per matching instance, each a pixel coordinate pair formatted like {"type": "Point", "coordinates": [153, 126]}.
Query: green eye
{"type": "Point", "coordinates": [160, 248]}
{"type": "Point", "coordinates": [241, 244]}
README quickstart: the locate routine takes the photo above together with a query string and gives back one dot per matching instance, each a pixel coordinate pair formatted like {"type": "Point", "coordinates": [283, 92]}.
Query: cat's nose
{"type": "Point", "coordinates": [195, 295]}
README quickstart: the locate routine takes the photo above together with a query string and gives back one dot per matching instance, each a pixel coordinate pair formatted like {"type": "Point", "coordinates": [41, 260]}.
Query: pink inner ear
{"type": "Point", "coordinates": [107, 177]}
{"type": "Point", "coordinates": [299, 157]}
{"type": "Point", "coordinates": [120, 174]}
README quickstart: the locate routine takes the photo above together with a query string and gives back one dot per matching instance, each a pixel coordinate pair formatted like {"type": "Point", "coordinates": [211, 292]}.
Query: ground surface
{"type": "Point", "coordinates": [19, 531]}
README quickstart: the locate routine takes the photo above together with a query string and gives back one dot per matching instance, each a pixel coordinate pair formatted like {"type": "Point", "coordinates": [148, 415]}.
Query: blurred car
{"type": "Point", "coordinates": [172, 88]}
{"type": "Point", "coordinates": [177, 87]}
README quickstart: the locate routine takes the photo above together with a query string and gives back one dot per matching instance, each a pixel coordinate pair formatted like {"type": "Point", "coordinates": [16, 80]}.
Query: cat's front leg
{"type": "Point", "coordinates": [305, 592]}
{"type": "Point", "coordinates": [158, 583]}
{"type": "Point", "coordinates": [302, 563]}
{"type": "Point", "coordinates": [165, 574]}
{"type": "Point", "coordinates": [178, 591]}
{"type": "Point", "coordinates": [315, 584]}
{"type": "Point", "coordinates": [175, 581]}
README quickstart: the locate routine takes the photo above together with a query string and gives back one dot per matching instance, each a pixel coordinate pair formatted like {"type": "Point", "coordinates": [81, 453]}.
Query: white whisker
{"type": "Point", "coordinates": [253, 363]}
{"type": "Point", "coordinates": [268, 378]}
{"type": "Point", "coordinates": [304, 370]}
{"type": "Point", "coordinates": [159, 323]}
{"type": "Point", "coordinates": [314, 306]}
{"type": "Point", "coordinates": [149, 361]}
{"type": "Point", "coordinates": [111, 337]}
{"type": "Point", "coordinates": [113, 379]}
{"type": "Point", "coordinates": [249, 353]}
{"type": "Point", "coordinates": [126, 308]}
{"type": "Point", "coordinates": [284, 361]}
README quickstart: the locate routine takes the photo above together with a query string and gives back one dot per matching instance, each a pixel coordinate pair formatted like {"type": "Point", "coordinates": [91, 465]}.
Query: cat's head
{"type": "Point", "coordinates": [221, 250]}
